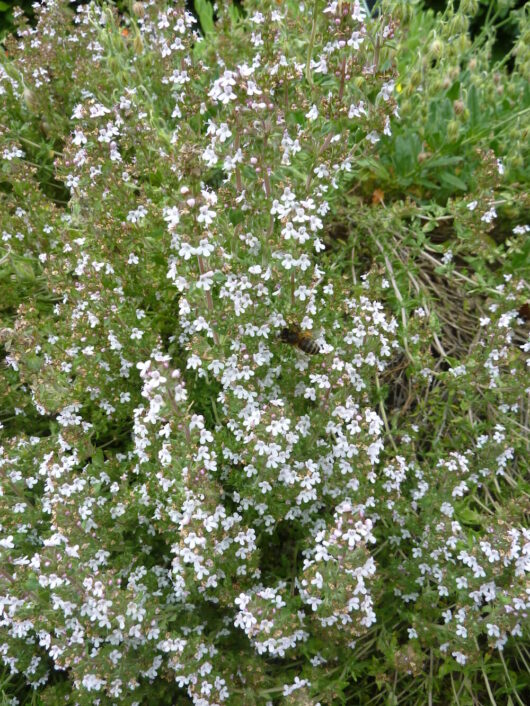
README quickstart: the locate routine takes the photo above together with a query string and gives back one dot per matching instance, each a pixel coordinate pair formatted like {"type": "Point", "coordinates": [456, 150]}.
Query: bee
{"type": "Point", "coordinates": [295, 336]}
{"type": "Point", "coordinates": [524, 312]}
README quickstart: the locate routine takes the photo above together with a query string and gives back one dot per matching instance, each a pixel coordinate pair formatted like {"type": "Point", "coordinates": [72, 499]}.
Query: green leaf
{"type": "Point", "coordinates": [4, 6]}
{"type": "Point", "coordinates": [440, 113]}
{"type": "Point", "coordinates": [469, 517]}
{"type": "Point", "coordinates": [446, 668]}
{"type": "Point", "coordinates": [427, 183]}
{"type": "Point", "coordinates": [98, 459]}
{"type": "Point", "coordinates": [34, 363]}
{"type": "Point", "coordinates": [521, 258]}
{"type": "Point", "coordinates": [205, 12]}
{"type": "Point", "coordinates": [449, 179]}
{"type": "Point", "coordinates": [454, 92]}
{"type": "Point", "coordinates": [32, 583]}
{"type": "Point", "coordinates": [234, 13]}
{"type": "Point", "coordinates": [407, 148]}
{"type": "Point", "coordinates": [444, 161]}
{"type": "Point", "coordinates": [374, 166]}
{"type": "Point", "coordinates": [236, 216]}
{"type": "Point", "coordinates": [23, 269]}
{"type": "Point", "coordinates": [473, 106]}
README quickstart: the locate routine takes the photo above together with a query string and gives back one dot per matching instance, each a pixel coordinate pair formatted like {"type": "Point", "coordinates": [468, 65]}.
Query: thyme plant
{"type": "Point", "coordinates": [192, 510]}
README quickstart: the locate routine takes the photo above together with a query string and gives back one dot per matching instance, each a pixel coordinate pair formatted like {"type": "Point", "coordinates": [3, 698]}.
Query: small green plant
{"type": "Point", "coordinates": [191, 509]}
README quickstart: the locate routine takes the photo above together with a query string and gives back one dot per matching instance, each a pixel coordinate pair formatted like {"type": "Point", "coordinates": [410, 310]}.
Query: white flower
{"type": "Point", "coordinates": [97, 111]}
{"type": "Point", "coordinates": [210, 156]}
{"type": "Point", "coordinates": [79, 137]}
{"type": "Point", "coordinates": [223, 133]}
{"type": "Point", "coordinates": [386, 90]}
{"type": "Point", "coordinates": [171, 216]}
{"type": "Point", "coordinates": [358, 13]}
{"type": "Point", "coordinates": [489, 215]}
{"type": "Point", "coordinates": [222, 89]}
{"type": "Point", "coordinates": [356, 111]}
{"type": "Point", "coordinates": [206, 216]}
{"type": "Point", "coordinates": [137, 214]}
{"type": "Point", "coordinates": [355, 40]}
{"type": "Point", "coordinates": [7, 543]}
{"type": "Point", "coordinates": [253, 89]}
{"type": "Point", "coordinates": [312, 114]}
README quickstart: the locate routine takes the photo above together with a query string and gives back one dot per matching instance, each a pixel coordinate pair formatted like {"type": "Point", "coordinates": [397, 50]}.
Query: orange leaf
{"type": "Point", "coordinates": [378, 197]}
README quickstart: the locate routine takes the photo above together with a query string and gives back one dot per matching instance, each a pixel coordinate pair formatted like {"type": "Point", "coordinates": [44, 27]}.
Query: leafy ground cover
{"type": "Point", "coordinates": [264, 329]}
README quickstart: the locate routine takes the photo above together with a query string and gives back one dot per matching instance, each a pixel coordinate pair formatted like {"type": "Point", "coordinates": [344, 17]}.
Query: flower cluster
{"type": "Point", "coordinates": [187, 502]}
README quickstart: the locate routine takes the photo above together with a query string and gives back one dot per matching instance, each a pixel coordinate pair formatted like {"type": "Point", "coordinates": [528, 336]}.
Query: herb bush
{"type": "Point", "coordinates": [192, 510]}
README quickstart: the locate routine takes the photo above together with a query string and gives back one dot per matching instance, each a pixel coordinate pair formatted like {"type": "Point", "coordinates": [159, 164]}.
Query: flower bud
{"type": "Point", "coordinates": [458, 25]}
{"type": "Point", "coordinates": [138, 9]}
{"type": "Point", "coordinates": [453, 130]}
{"type": "Point", "coordinates": [459, 106]}
{"type": "Point", "coordinates": [30, 99]}
{"type": "Point", "coordinates": [470, 7]}
{"type": "Point", "coordinates": [138, 45]}
{"type": "Point", "coordinates": [415, 79]}
{"type": "Point", "coordinates": [45, 127]}
{"type": "Point", "coordinates": [463, 43]}
{"type": "Point", "coordinates": [436, 48]}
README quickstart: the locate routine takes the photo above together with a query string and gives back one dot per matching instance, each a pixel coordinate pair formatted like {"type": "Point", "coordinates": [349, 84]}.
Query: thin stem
{"type": "Point", "coordinates": [513, 690]}
{"type": "Point", "coordinates": [454, 689]}
{"type": "Point", "coordinates": [342, 76]}
{"type": "Point", "coordinates": [308, 75]}
{"type": "Point", "coordinates": [37, 146]}
{"type": "Point", "coordinates": [431, 667]}
{"type": "Point", "coordinates": [353, 273]}
{"type": "Point", "coordinates": [488, 688]}
{"type": "Point", "coordinates": [390, 271]}
{"type": "Point", "coordinates": [239, 185]}
{"type": "Point", "coordinates": [6, 256]}
{"type": "Point", "coordinates": [383, 413]}
{"type": "Point", "coordinates": [215, 413]}
{"type": "Point", "coordinates": [209, 300]}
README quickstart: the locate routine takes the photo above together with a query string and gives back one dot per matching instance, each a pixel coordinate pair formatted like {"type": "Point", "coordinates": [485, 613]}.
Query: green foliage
{"type": "Point", "coordinates": [6, 18]}
{"type": "Point", "coordinates": [204, 10]}
{"type": "Point", "coordinates": [192, 510]}
{"type": "Point", "coordinates": [455, 105]}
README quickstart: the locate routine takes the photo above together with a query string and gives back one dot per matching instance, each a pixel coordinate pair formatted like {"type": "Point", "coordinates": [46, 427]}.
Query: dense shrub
{"type": "Point", "coordinates": [192, 510]}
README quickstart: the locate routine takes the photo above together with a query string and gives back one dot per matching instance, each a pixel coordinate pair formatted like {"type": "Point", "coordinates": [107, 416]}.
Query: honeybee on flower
{"type": "Point", "coordinates": [294, 335]}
